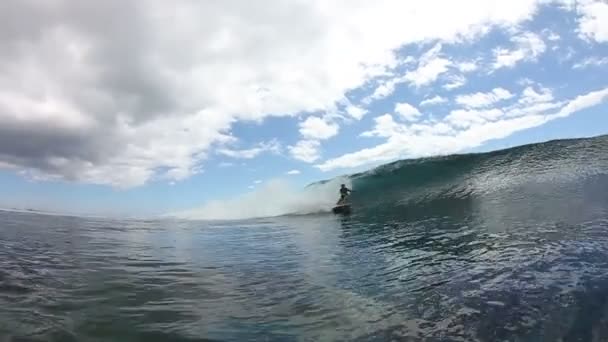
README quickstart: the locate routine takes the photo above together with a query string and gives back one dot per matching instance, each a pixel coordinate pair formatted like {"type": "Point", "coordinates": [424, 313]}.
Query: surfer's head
{"type": "Point", "coordinates": [342, 185]}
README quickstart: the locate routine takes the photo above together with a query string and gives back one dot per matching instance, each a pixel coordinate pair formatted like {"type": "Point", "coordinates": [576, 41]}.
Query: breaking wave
{"type": "Point", "coordinates": [528, 174]}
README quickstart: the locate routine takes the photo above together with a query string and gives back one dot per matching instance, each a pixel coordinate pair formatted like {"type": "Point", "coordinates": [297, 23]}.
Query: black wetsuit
{"type": "Point", "coordinates": [343, 193]}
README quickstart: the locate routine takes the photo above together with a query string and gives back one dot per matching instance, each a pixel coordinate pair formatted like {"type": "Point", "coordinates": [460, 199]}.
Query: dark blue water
{"type": "Point", "coordinates": [509, 246]}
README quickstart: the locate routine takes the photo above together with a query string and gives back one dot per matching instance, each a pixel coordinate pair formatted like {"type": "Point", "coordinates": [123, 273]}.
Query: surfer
{"type": "Point", "coordinates": [344, 191]}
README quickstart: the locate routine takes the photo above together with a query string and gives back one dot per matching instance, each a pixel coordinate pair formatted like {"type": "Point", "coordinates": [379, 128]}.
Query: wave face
{"type": "Point", "coordinates": [546, 174]}
{"type": "Point", "coordinates": [556, 174]}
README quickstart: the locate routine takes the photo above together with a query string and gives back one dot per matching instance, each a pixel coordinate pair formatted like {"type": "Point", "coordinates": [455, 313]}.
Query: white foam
{"type": "Point", "coordinates": [273, 198]}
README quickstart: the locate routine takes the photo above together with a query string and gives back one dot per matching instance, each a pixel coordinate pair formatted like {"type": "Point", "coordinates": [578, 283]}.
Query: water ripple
{"type": "Point", "coordinates": [484, 275]}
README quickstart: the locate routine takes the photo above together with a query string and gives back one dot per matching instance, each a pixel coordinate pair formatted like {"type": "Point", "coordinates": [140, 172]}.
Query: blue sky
{"type": "Point", "coordinates": [231, 96]}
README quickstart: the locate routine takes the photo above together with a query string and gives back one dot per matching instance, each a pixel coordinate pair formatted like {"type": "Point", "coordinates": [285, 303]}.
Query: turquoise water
{"type": "Point", "coordinates": [506, 246]}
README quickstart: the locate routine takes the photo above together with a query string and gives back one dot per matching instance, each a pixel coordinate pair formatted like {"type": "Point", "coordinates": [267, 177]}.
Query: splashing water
{"type": "Point", "coordinates": [274, 198]}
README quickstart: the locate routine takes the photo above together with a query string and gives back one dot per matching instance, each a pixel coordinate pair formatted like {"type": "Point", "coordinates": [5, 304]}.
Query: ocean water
{"type": "Point", "coordinates": [503, 246]}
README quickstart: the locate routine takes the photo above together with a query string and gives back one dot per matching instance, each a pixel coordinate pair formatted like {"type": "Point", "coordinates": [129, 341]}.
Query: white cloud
{"type": "Point", "coordinates": [525, 82]}
{"type": "Point", "coordinates": [591, 62]}
{"type": "Point", "coordinates": [257, 181]}
{"type": "Point", "coordinates": [531, 96]}
{"type": "Point", "coordinates": [356, 112]}
{"type": "Point", "coordinates": [533, 102]}
{"type": "Point", "coordinates": [567, 55]}
{"type": "Point", "coordinates": [433, 101]}
{"type": "Point", "coordinates": [480, 100]}
{"type": "Point", "coordinates": [466, 67]}
{"type": "Point", "coordinates": [272, 146]}
{"type": "Point", "coordinates": [464, 118]}
{"type": "Point", "coordinates": [528, 47]}
{"type": "Point", "coordinates": [551, 35]}
{"type": "Point", "coordinates": [386, 88]}
{"type": "Point", "coordinates": [244, 154]}
{"type": "Point", "coordinates": [317, 128]}
{"type": "Point", "coordinates": [293, 172]}
{"type": "Point", "coordinates": [306, 150]}
{"type": "Point", "coordinates": [407, 111]}
{"type": "Point", "coordinates": [407, 60]}
{"type": "Point", "coordinates": [456, 81]}
{"type": "Point", "coordinates": [385, 127]}
{"type": "Point", "coordinates": [461, 130]}
{"type": "Point", "coordinates": [594, 21]}
{"type": "Point", "coordinates": [582, 102]}
{"type": "Point", "coordinates": [313, 130]}
{"type": "Point", "coordinates": [430, 66]}
{"type": "Point", "coordinates": [168, 94]}
{"type": "Point", "coordinates": [535, 108]}
{"type": "Point", "coordinates": [429, 72]}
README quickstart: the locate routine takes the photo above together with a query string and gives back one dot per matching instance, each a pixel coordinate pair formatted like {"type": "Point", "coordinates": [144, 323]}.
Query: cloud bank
{"type": "Point", "coordinates": [122, 93]}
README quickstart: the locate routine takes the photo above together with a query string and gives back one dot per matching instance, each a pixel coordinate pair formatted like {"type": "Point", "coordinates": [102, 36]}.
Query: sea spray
{"type": "Point", "coordinates": [273, 198]}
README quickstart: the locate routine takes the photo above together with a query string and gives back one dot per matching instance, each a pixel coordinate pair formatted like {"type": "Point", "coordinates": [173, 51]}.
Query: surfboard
{"type": "Point", "coordinates": [341, 209]}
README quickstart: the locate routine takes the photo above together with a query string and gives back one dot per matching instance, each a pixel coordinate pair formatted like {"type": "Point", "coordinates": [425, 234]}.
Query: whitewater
{"type": "Point", "coordinates": [509, 245]}
{"type": "Point", "coordinates": [273, 198]}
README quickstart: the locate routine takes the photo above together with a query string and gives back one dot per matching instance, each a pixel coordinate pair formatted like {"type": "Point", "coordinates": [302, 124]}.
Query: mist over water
{"type": "Point", "coordinates": [504, 246]}
{"type": "Point", "coordinates": [273, 198]}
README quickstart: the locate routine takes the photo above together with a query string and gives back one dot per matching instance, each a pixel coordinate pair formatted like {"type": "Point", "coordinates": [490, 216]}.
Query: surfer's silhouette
{"type": "Point", "coordinates": [344, 191]}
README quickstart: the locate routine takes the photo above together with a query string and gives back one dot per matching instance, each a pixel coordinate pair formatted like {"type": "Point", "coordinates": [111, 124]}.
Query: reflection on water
{"type": "Point", "coordinates": [491, 269]}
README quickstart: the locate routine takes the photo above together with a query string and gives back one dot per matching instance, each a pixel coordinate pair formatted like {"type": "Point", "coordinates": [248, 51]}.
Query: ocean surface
{"type": "Point", "coordinates": [503, 246]}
